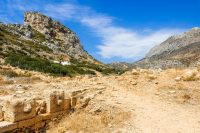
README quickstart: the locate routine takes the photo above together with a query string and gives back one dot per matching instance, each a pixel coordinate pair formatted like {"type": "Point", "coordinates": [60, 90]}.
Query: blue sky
{"type": "Point", "coordinates": [120, 30]}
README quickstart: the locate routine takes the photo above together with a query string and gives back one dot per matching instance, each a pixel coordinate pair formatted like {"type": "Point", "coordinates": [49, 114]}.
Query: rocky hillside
{"type": "Point", "coordinates": [176, 42]}
{"type": "Point", "coordinates": [58, 37]}
{"type": "Point", "coordinates": [122, 66]}
{"type": "Point", "coordinates": [45, 45]}
{"type": "Point", "coordinates": [177, 51]}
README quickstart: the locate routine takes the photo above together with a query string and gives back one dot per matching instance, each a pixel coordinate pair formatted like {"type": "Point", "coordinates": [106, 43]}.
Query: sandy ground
{"type": "Point", "coordinates": [157, 103]}
{"type": "Point", "coordinates": [151, 114]}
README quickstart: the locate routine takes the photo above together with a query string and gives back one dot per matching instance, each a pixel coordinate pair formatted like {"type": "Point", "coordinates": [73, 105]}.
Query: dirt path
{"type": "Point", "coordinates": [152, 115]}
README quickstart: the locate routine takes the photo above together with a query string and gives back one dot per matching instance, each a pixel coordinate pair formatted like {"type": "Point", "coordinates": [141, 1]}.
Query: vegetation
{"type": "Point", "coordinates": [20, 48]}
{"type": "Point", "coordinates": [43, 65]}
{"type": "Point", "coordinates": [84, 121]}
{"type": "Point", "coordinates": [9, 38]}
{"type": "Point", "coordinates": [97, 67]}
{"type": "Point", "coordinates": [38, 36]}
{"type": "Point", "coordinates": [8, 73]}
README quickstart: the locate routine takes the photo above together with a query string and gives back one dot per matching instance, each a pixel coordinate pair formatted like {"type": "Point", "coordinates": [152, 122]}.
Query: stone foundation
{"type": "Point", "coordinates": [21, 114]}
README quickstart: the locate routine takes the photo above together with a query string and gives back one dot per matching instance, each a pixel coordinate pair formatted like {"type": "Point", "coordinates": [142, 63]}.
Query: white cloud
{"type": "Point", "coordinates": [122, 42]}
{"type": "Point", "coordinates": [116, 41]}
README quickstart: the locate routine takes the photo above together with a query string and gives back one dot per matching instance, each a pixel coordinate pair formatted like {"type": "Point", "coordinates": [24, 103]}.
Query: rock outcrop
{"type": "Point", "coordinates": [64, 39]}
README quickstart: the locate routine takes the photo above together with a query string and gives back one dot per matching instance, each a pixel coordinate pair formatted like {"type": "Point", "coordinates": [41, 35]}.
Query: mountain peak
{"type": "Point", "coordinates": [66, 39]}
{"type": "Point", "coordinates": [176, 42]}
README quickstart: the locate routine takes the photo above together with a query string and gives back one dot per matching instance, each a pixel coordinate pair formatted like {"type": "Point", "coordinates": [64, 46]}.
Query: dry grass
{"type": "Point", "coordinates": [191, 75]}
{"type": "Point", "coordinates": [4, 92]}
{"type": "Point", "coordinates": [86, 122]}
{"type": "Point", "coordinates": [5, 81]}
{"type": "Point", "coordinates": [179, 93]}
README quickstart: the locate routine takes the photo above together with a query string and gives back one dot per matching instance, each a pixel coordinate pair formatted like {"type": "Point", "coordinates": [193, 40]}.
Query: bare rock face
{"type": "Point", "coordinates": [65, 39]}
{"type": "Point", "coordinates": [176, 42]}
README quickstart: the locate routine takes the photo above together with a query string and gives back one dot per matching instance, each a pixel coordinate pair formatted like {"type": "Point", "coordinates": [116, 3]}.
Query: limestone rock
{"type": "Point", "coordinates": [6, 126]}
{"type": "Point", "coordinates": [190, 75]}
{"type": "Point", "coordinates": [176, 42]}
{"type": "Point", "coordinates": [179, 51]}
{"type": "Point", "coordinates": [17, 109]}
{"type": "Point", "coordinates": [177, 78]}
{"type": "Point", "coordinates": [69, 42]}
{"type": "Point", "coordinates": [41, 107]}
{"type": "Point", "coordinates": [135, 72]}
{"type": "Point", "coordinates": [54, 100]}
{"type": "Point", "coordinates": [151, 76]}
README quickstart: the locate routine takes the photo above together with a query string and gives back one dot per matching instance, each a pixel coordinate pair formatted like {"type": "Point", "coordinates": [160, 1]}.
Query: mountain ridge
{"type": "Point", "coordinates": [177, 51]}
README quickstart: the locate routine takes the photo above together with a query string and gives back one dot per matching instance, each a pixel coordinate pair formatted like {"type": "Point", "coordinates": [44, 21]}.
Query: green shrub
{"type": "Point", "coordinates": [43, 65]}
{"type": "Point", "coordinates": [97, 67]}
{"type": "Point", "coordinates": [1, 34]}
{"type": "Point", "coordinates": [38, 36]}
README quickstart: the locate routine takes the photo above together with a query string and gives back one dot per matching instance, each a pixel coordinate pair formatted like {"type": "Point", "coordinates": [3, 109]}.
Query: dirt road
{"type": "Point", "coordinates": [152, 114]}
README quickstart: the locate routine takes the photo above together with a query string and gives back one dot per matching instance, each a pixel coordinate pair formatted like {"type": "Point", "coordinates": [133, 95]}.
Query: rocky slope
{"type": "Point", "coordinates": [45, 45]}
{"type": "Point", "coordinates": [123, 66]}
{"type": "Point", "coordinates": [59, 37]}
{"type": "Point", "coordinates": [177, 51]}
{"type": "Point", "coordinates": [176, 42]}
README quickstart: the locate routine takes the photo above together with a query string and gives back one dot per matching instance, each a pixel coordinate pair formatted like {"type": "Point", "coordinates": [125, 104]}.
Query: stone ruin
{"type": "Point", "coordinates": [20, 113]}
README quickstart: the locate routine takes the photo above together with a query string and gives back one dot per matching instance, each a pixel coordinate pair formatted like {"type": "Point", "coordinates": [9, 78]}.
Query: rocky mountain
{"type": "Point", "coordinates": [45, 45]}
{"type": "Point", "coordinates": [176, 42]}
{"type": "Point", "coordinates": [59, 38]}
{"type": "Point", "coordinates": [177, 51]}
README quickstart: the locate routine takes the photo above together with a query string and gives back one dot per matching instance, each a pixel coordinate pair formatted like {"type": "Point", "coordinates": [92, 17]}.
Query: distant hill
{"type": "Point", "coordinates": [177, 51]}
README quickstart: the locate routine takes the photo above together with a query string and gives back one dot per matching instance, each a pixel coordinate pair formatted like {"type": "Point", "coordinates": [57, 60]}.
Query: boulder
{"type": "Point", "coordinates": [151, 76]}
{"type": "Point", "coordinates": [178, 79]}
{"type": "Point", "coordinates": [135, 72]}
{"type": "Point", "coordinates": [190, 75]}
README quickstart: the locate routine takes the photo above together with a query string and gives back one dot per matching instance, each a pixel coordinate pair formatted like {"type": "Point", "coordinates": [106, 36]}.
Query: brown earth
{"type": "Point", "coordinates": [141, 101]}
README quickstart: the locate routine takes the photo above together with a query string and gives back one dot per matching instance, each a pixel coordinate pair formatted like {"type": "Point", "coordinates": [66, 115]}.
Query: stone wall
{"type": "Point", "coordinates": [21, 114]}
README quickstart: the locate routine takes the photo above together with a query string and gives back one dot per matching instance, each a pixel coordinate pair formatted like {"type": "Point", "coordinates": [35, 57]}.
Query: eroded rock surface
{"type": "Point", "coordinates": [66, 39]}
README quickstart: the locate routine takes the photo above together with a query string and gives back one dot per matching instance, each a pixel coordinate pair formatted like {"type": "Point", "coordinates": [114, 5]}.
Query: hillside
{"type": "Point", "coordinates": [45, 45]}
{"type": "Point", "coordinates": [176, 52]}
{"type": "Point", "coordinates": [176, 42]}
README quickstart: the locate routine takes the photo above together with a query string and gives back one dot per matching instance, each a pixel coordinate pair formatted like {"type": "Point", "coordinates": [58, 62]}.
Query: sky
{"type": "Point", "coordinates": [113, 30]}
